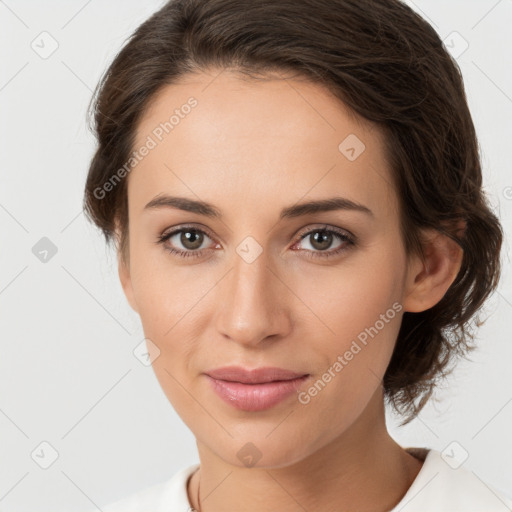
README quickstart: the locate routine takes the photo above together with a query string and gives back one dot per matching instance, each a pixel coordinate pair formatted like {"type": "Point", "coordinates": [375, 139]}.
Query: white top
{"type": "Point", "coordinates": [437, 488]}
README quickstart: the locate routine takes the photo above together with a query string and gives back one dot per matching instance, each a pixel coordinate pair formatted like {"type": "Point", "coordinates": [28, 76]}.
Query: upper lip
{"type": "Point", "coordinates": [254, 376]}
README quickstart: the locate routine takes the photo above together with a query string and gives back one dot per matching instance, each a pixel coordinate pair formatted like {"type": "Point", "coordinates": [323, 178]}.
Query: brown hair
{"type": "Point", "coordinates": [389, 66]}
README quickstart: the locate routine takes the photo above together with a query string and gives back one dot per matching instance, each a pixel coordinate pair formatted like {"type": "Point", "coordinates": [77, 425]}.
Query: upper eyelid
{"type": "Point", "coordinates": [324, 227]}
{"type": "Point", "coordinates": [179, 229]}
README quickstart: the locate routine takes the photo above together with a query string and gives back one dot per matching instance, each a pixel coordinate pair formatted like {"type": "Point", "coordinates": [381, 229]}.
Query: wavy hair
{"type": "Point", "coordinates": [389, 66]}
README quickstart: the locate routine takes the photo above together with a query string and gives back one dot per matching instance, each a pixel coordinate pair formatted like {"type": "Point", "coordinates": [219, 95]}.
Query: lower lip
{"type": "Point", "coordinates": [255, 397]}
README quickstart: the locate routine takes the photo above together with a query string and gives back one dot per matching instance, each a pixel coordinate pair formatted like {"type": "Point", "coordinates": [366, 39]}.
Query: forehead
{"type": "Point", "coordinates": [219, 136]}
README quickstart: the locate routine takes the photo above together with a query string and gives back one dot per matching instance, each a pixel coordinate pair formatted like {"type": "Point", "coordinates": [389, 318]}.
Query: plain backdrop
{"type": "Point", "coordinates": [73, 397]}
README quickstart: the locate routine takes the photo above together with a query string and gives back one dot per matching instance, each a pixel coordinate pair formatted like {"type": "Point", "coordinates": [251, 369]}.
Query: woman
{"type": "Point", "coordinates": [294, 190]}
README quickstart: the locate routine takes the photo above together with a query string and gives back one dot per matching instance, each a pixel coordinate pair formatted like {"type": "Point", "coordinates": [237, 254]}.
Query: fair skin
{"type": "Point", "coordinates": [251, 149]}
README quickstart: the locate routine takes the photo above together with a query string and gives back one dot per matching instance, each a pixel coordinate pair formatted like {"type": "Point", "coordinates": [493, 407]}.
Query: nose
{"type": "Point", "coordinates": [253, 303]}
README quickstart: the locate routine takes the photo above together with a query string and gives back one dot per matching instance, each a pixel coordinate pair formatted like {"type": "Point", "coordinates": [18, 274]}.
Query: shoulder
{"type": "Point", "coordinates": [157, 498]}
{"type": "Point", "coordinates": [443, 485]}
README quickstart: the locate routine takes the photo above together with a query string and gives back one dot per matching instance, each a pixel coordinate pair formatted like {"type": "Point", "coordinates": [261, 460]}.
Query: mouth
{"type": "Point", "coordinates": [255, 390]}
{"type": "Point", "coordinates": [255, 376]}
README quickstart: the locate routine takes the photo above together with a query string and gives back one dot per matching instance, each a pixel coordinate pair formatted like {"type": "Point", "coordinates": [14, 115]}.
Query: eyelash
{"type": "Point", "coordinates": [350, 241]}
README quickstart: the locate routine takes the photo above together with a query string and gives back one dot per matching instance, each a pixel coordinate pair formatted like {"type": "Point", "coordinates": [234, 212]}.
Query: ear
{"type": "Point", "coordinates": [123, 267]}
{"type": "Point", "coordinates": [428, 280]}
{"type": "Point", "coordinates": [126, 281]}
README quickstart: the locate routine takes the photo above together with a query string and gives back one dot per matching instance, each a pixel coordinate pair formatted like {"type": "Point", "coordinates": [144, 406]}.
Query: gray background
{"type": "Point", "coordinates": [68, 376]}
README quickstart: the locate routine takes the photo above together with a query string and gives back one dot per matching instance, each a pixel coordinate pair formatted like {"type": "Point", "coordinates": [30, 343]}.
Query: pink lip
{"type": "Point", "coordinates": [254, 390]}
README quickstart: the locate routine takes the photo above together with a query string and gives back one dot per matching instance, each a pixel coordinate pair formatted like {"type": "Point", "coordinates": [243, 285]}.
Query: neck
{"type": "Point", "coordinates": [363, 469]}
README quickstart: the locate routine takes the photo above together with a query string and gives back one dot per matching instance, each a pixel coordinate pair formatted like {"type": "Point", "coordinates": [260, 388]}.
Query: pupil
{"type": "Point", "coordinates": [324, 237]}
{"type": "Point", "coordinates": [187, 237]}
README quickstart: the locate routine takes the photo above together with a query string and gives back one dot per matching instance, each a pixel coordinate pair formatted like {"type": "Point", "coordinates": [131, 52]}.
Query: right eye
{"type": "Point", "coordinates": [190, 238]}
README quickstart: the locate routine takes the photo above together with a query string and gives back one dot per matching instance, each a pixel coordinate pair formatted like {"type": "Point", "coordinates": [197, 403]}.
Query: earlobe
{"type": "Point", "coordinates": [428, 280]}
{"type": "Point", "coordinates": [126, 282]}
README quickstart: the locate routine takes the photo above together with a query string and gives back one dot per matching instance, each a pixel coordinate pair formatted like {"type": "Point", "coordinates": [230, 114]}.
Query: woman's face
{"type": "Point", "coordinates": [249, 291]}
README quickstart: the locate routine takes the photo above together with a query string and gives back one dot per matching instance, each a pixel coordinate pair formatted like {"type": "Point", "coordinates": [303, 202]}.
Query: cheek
{"type": "Point", "coordinates": [357, 319]}
{"type": "Point", "coordinates": [352, 297]}
{"type": "Point", "coordinates": [354, 360]}
{"type": "Point", "coordinates": [166, 293]}
{"type": "Point", "coordinates": [168, 305]}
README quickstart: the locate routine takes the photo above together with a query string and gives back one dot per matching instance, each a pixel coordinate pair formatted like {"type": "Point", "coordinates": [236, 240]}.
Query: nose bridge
{"type": "Point", "coordinates": [251, 305]}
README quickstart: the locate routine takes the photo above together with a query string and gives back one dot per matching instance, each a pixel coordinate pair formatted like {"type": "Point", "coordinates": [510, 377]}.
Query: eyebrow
{"type": "Point", "coordinates": [296, 210]}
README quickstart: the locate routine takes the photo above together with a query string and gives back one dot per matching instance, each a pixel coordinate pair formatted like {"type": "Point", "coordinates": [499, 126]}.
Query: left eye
{"type": "Point", "coordinates": [321, 239]}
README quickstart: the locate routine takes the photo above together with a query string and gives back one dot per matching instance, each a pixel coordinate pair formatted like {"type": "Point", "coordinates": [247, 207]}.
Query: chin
{"type": "Point", "coordinates": [258, 449]}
